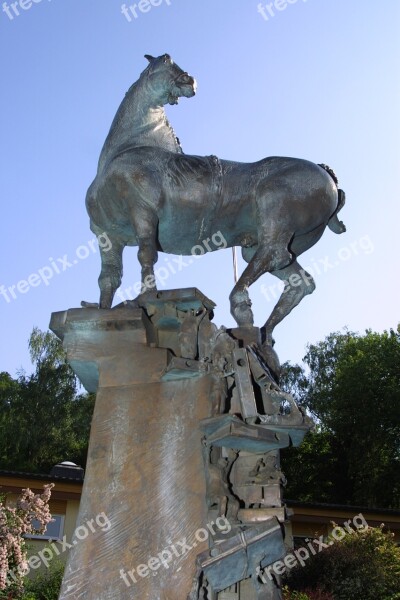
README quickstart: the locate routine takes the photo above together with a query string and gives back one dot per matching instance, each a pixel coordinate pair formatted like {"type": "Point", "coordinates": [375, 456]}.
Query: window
{"type": "Point", "coordinates": [54, 529]}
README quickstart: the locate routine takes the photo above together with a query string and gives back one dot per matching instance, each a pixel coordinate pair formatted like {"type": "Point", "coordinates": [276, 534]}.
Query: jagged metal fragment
{"type": "Point", "coordinates": [230, 432]}
{"type": "Point", "coordinates": [244, 384]}
{"type": "Point", "coordinates": [238, 557]}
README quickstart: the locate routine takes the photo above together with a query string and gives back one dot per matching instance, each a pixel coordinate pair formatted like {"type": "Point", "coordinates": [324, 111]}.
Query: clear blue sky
{"type": "Point", "coordinates": [317, 80]}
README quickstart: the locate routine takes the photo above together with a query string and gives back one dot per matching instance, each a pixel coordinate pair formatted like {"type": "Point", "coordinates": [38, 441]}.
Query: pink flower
{"type": "Point", "coordinates": [15, 522]}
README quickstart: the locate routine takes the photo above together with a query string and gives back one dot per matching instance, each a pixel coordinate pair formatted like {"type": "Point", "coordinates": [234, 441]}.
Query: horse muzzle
{"type": "Point", "coordinates": [186, 84]}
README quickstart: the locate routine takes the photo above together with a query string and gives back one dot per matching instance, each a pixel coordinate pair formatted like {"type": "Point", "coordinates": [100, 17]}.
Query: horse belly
{"type": "Point", "coordinates": [191, 219]}
{"type": "Point", "coordinates": [181, 226]}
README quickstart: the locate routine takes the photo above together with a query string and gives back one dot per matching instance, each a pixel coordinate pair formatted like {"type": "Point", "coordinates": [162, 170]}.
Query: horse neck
{"type": "Point", "coordinates": [138, 122]}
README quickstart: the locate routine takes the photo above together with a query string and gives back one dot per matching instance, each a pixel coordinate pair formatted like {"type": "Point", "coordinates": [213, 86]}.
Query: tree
{"type": "Point", "coordinates": [353, 391]}
{"type": "Point", "coordinates": [313, 470]}
{"type": "Point", "coordinates": [43, 418]}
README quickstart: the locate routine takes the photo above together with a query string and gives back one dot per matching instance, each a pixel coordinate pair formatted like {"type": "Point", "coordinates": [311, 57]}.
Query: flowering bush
{"type": "Point", "coordinates": [15, 522]}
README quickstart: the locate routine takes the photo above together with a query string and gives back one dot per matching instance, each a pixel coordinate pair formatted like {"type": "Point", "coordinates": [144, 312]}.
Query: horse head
{"type": "Point", "coordinates": [167, 81]}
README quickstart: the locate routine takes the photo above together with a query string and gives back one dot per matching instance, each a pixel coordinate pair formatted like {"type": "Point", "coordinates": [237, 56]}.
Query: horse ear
{"type": "Point", "coordinates": [149, 57]}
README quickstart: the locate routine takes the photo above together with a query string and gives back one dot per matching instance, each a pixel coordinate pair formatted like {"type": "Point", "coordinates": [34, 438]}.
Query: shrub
{"type": "Point", "coordinates": [306, 595]}
{"type": "Point", "coordinates": [319, 595]}
{"type": "Point", "coordinates": [365, 565]}
{"type": "Point", "coordinates": [46, 585]}
{"type": "Point", "coordinates": [290, 595]}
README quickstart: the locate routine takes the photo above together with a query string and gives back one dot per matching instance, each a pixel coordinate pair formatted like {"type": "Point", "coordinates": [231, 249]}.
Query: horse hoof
{"type": "Point", "coordinates": [85, 304]}
{"type": "Point", "coordinates": [243, 314]}
{"type": "Point", "coordinates": [105, 302]}
{"type": "Point", "coordinates": [146, 291]}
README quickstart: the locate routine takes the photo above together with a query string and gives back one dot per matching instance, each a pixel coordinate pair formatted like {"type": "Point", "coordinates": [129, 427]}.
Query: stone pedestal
{"type": "Point", "coordinates": [145, 469]}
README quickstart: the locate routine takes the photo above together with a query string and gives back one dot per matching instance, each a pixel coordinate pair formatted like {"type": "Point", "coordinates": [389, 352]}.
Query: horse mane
{"type": "Point", "coordinates": [109, 150]}
{"type": "Point", "coordinates": [171, 129]}
{"type": "Point", "coordinates": [167, 123]}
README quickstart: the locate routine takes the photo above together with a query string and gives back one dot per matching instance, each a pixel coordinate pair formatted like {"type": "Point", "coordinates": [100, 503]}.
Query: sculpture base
{"type": "Point", "coordinates": [145, 468]}
{"type": "Point", "coordinates": [183, 457]}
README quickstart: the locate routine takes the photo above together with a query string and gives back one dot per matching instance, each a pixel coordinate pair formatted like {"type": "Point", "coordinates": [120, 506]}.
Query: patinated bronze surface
{"type": "Point", "coordinates": [148, 193]}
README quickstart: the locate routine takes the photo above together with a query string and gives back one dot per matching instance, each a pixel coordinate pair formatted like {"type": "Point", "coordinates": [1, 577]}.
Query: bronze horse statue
{"type": "Point", "coordinates": [148, 193]}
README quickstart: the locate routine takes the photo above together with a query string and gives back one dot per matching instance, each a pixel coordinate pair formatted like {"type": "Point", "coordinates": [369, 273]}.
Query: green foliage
{"type": "Point", "coordinates": [46, 348]}
{"type": "Point", "coordinates": [293, 595]}
{"type": "Point", "coordinates": [46, 585]}
{"type": "Point", "coordinates": [308, 595]}
{"type": "Point", "coordinates": [294, 380]}
{"type": "Point", "coordinates": [363, 566]}
{"type": "Point", "coordinates": [353, 391]}
{"type": "Point", "coordinates": [43, 418]}
{"type": "Point", "coordinates": [313, 471]}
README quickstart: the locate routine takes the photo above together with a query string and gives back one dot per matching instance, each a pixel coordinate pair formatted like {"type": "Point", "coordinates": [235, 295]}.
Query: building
{"type": "Point", "coordinates": [307, 520]}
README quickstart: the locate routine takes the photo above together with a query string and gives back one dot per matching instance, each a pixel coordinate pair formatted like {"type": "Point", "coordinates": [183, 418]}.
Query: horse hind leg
{"type": "Point", "coordinates": [267, 257]}
{"type": "Point", "coordinates": [298, 283]}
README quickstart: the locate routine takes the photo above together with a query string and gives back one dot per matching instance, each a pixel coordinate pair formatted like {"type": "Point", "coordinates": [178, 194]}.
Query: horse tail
{"type": "Point", "coordinates": [334, 224]}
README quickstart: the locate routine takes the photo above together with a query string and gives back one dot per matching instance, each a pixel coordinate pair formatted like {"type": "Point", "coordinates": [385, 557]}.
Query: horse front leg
{"type": "Point", "coordinates": [145, 226]}
{"type": "Point", "coordinates": [148, 257]}
{"type": "Point", "coordinates": [111, 270]}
